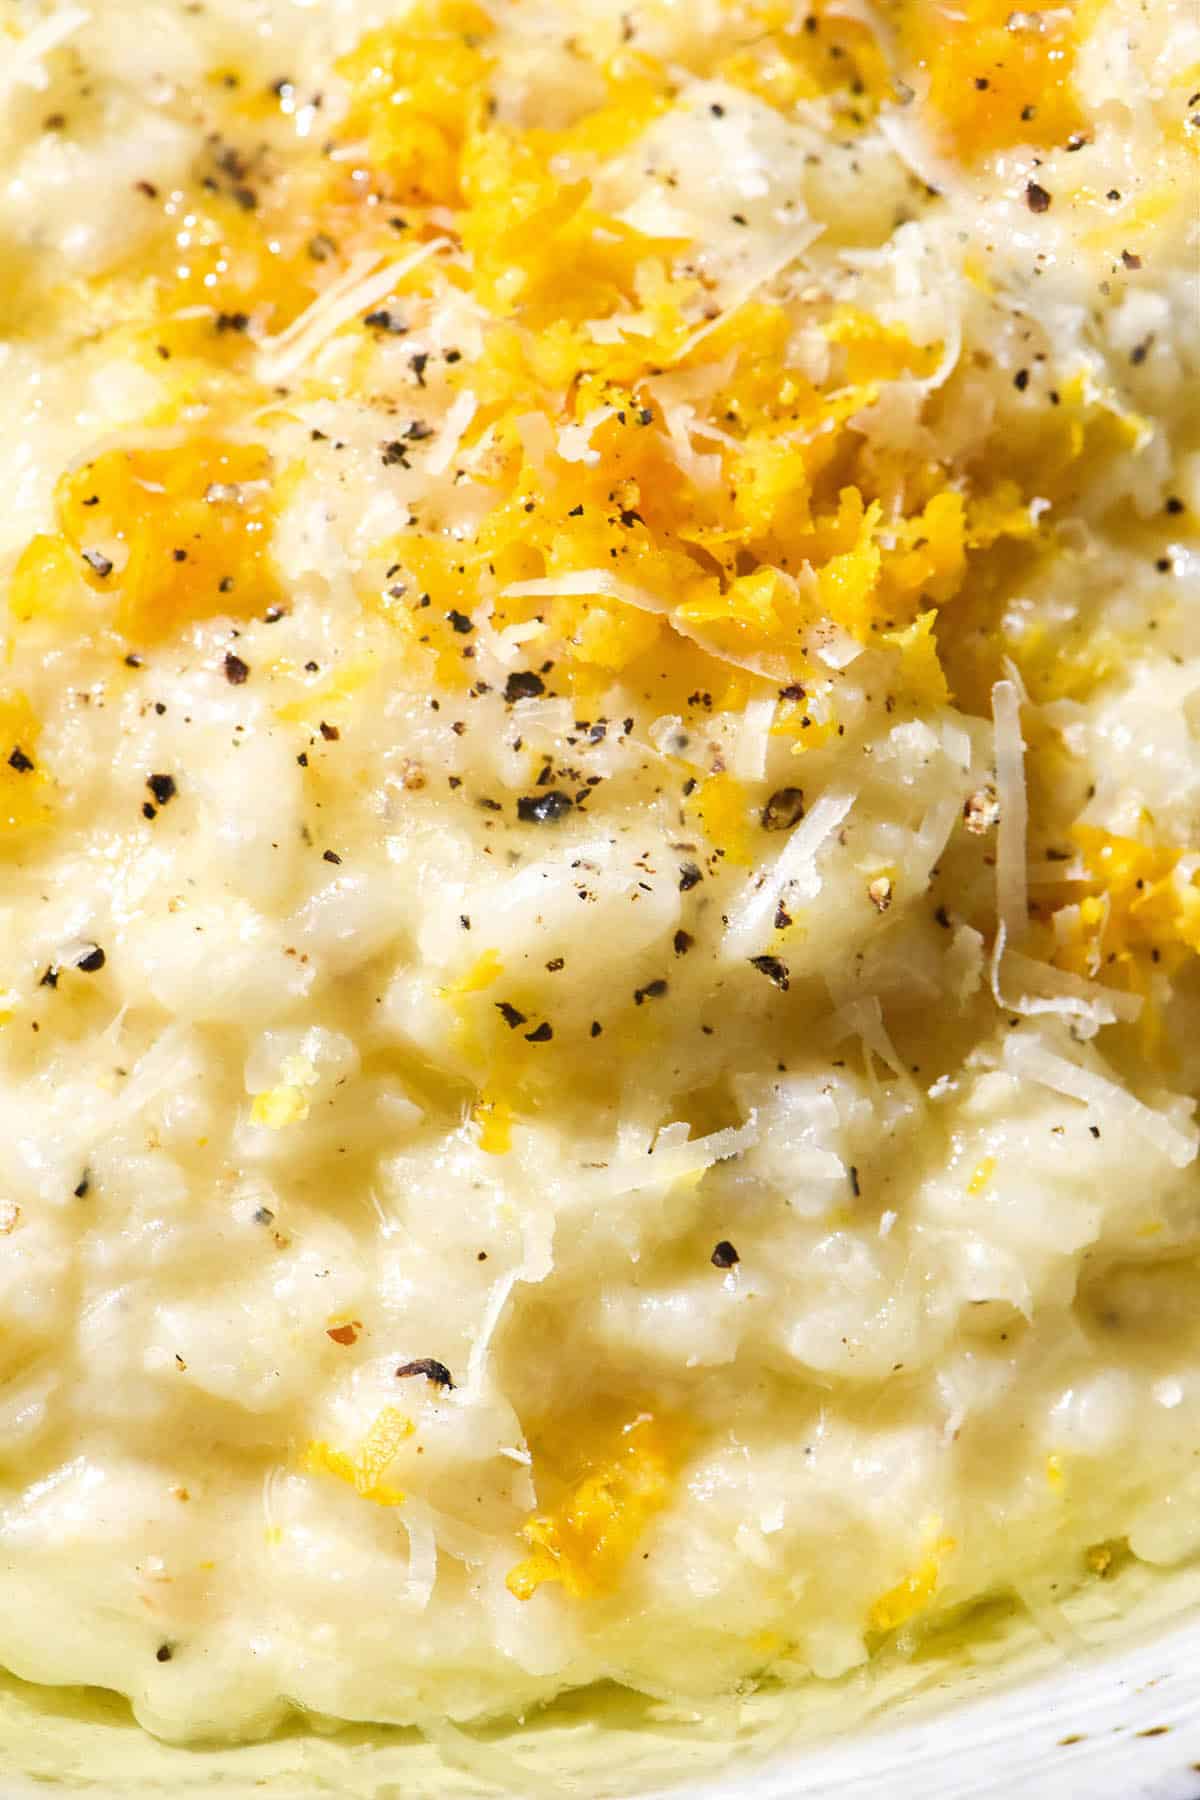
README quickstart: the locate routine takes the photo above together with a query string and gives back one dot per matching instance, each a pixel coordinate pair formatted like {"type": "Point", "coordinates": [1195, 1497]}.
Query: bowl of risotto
{"type": "Point", "coordinates": [599, 896]}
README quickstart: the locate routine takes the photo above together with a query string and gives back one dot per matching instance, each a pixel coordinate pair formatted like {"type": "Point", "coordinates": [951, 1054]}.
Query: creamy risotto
{"type": "Point", "coordinates": [599, 839]}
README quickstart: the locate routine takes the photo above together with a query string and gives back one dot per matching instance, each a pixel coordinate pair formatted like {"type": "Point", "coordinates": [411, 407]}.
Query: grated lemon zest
{"type": "Point", "coordinates": [364, 1472]}
{"type": "Point", "coordinates": [981, 1176]}
{"type": "Point", "coordinates": [913, 1594]}
{"type": "Point", "coordinates": [585, 1542]}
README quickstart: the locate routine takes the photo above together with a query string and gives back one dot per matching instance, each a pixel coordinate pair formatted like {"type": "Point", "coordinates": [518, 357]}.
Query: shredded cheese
{"type": "Point", "coordinates": [1027, 1057]}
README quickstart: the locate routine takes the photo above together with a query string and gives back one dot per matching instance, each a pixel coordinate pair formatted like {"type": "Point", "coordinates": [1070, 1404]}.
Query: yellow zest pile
{"type": "Point", "coordinates": [150, 540]}
{"type": "Point", "coordinates": [997, 75]}
{"type": "Point", "coordinates": [1143, 907]}
{"type": "Point", "coordinates": [585, 1542]}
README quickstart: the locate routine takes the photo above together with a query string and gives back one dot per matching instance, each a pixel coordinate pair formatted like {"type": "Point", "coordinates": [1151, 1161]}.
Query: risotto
{"type": "Point", "coordinates": [599, 839]}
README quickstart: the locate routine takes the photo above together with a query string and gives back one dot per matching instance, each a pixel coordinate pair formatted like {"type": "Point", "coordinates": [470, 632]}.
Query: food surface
{"type": "Point", "coordinates": [599, 839]}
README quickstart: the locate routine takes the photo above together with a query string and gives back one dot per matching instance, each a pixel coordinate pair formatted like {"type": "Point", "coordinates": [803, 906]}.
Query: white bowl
{"type": "Point", "coordinates": [1100, 1699]}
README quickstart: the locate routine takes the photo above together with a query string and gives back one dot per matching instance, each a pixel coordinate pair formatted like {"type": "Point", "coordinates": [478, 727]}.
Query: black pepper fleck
{"type": "Point", "coordinates": [725, 1256]}
{"type": "Point", "coordinates": [523, 684]}
{"type": "Point", "coordinates": [383, 319]}
{"type": "Point", "coordinates": [163, 787]}
{"type": "Point", "coordinates": [544, 809]}
{"type": "Point", "coordinates": [784, 809]}
{"type": "Point", "coordinates": [653, 990]}
{"type": "Point", "coordinates": [773, 969]}
{"type": "Point", "coordinates": [429, 1367]}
